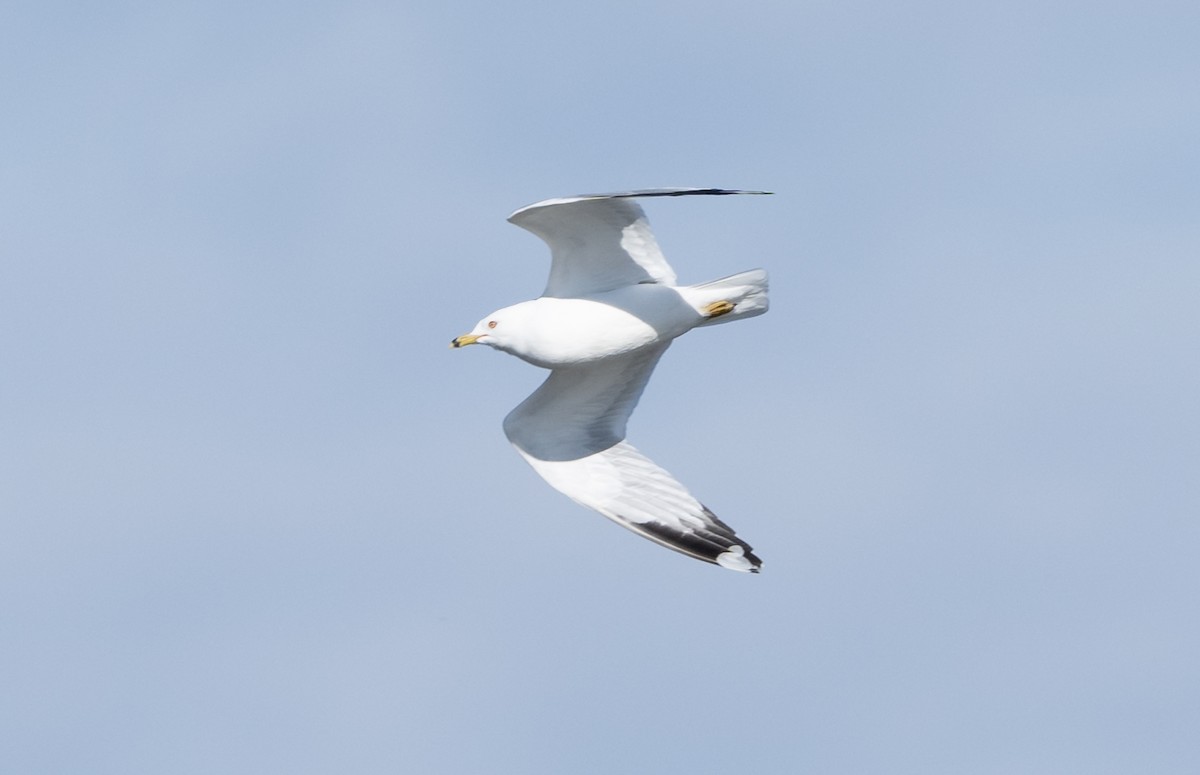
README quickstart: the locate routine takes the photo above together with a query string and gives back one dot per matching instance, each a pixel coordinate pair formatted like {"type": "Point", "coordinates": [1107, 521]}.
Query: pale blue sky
{"type": "Point", "coordinates": [257, 517]}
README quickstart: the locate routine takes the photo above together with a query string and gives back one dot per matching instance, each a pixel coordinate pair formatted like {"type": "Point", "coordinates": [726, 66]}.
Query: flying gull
{"type": "Point", "coordinates": [609, 311]}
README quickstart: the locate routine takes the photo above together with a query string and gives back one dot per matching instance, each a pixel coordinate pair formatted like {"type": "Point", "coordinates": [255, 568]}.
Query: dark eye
{"type": "Point", "coordinates": [491, 324]}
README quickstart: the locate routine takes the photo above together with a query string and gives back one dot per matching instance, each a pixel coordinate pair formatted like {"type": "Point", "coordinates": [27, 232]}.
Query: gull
{"type": "Point", "coordinates": [610, 310]}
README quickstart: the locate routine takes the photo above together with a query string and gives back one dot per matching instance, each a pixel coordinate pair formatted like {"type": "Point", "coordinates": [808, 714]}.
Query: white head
{"type": "Point", "coordinates": [504, 329]}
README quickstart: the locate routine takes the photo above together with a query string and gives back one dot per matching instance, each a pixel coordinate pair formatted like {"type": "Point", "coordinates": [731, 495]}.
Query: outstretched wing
{"type": "Point", "coordinates": [601, 241]}
{"type": "Point", "coordinates": [572, 431]}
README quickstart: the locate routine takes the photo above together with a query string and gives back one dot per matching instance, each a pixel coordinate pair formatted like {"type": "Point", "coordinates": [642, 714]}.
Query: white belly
{"type": "Point", "coordinates": [571, 331]}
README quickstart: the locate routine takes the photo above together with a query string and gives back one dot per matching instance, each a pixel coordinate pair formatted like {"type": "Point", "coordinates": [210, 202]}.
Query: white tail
{"type": "Point", "coordinates": [747, 291]}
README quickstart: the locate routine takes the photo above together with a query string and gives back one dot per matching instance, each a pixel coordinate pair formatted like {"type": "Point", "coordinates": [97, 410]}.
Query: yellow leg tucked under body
{"type": "Point", "coordinates": [718, 308]}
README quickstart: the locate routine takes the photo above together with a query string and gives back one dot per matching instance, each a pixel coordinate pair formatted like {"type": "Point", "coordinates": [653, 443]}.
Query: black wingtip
{"type": "Point", "coordinates": [691, 192]}
{"type": "Point", "coordinates": [717, 545]}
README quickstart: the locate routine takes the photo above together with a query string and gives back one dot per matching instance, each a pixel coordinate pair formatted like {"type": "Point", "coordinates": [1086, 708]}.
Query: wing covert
{"type": "Point", "coordinates": [595, 245]}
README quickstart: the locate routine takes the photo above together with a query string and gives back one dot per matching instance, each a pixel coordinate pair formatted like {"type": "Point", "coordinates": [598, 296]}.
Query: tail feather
{"type": "Point", "coordinates": [747, 291]}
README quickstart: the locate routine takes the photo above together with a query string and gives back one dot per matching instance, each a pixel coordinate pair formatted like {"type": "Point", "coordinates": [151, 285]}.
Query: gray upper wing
{"type": "Point", "coordinates": [599, 242]}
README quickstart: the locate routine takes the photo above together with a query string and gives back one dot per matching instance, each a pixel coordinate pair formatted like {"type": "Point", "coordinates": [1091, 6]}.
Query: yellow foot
{"type": "Point", "coordinates": [718, 308]}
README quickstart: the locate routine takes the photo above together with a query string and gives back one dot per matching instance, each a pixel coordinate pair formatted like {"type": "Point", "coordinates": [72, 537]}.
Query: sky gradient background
{"type": "Point", "coordinates": [257, 517]}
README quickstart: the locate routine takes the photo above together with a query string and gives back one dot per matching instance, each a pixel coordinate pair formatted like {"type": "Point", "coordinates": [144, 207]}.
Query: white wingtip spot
{"type": "Point", "coordinates": [735, 559]}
